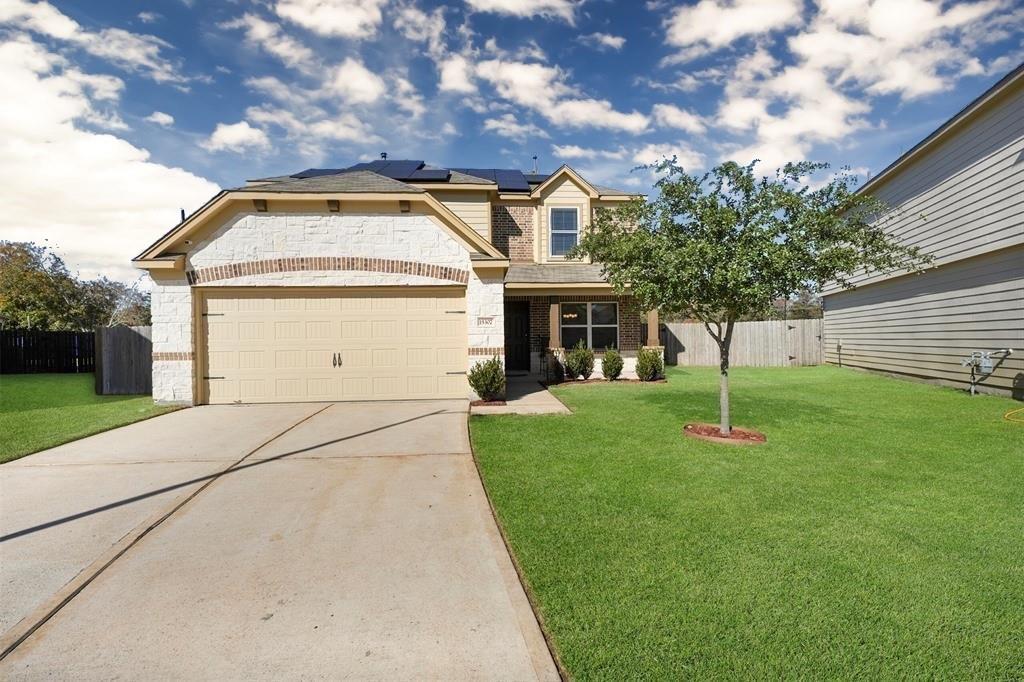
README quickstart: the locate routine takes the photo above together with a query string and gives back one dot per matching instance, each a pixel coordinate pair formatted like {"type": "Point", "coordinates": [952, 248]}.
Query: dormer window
{"type": "Point", "coordinates": [565, 229]}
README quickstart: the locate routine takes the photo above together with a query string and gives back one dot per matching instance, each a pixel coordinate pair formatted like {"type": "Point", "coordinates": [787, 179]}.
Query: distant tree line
{"type": "Point", "coordinates": [37, 291]}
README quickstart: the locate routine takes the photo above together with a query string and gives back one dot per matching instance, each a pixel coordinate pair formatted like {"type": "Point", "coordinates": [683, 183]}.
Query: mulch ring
{"type": "Point", "coordinates": [711, 433]}
{"type": "Point", "coordinates": [487, 403]}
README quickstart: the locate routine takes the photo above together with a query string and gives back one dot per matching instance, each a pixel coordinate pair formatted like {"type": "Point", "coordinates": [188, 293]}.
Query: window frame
{"type": "Point", "coordinates": [589, 323]}
{"type": "Point", "coordinates": [552, 231]}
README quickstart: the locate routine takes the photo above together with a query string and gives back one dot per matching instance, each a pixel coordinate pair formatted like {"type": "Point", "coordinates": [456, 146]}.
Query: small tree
{"type": "Point", "coordinates": [728, 244]}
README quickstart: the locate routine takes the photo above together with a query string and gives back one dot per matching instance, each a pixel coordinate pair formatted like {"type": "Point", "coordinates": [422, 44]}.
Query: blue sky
{"type": "Point", "coordinates": [134, 110]}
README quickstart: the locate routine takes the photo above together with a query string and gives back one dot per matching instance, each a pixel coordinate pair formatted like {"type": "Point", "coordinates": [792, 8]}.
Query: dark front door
{"type": "Point", "coordinates": [517, 336]}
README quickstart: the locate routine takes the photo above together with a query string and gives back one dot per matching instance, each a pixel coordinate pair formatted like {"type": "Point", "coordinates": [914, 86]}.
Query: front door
{"type": "Point", "coordinates": [517, 336]}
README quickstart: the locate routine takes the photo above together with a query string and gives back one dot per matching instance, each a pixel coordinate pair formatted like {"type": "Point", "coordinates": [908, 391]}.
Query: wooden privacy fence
{"type": "Point", "coordinates": [24, 351]}
{"type": "Point", "coordinates": [774, 343]}
{"type": "Point", "coordinates": [124, 360]}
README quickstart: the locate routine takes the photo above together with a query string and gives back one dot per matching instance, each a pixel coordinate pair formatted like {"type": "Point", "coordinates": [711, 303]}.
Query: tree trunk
{"type": "Point", "coordinates": [724, 421]}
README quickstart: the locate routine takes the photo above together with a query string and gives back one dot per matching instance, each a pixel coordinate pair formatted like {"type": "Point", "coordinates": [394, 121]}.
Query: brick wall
{"type": "Point", "coordinates": [631, 317]}
{"type": "Point", "coordinates": [512, 231]}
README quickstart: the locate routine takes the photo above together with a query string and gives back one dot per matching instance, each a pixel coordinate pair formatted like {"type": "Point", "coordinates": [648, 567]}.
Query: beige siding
{"type": "Point", "coordinates": [924, 325]}
{"type": "Point", "coordinates": [964, 197]}
{"type": "Point", "coordinates": [472, 207]}
{"type": "Point", "coordinates": [567, 193]}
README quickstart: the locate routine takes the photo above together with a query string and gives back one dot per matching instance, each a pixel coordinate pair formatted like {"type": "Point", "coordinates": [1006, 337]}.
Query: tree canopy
{"type": "Point", "coordinates": [728, 244]}
{"type": "Point", "coordinates": [37, 291]}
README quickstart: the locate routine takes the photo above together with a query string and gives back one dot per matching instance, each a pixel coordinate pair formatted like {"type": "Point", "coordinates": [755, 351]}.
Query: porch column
{"type": "Point", "coordinates": [652, 328]}
{"type": "Point", "coordinates": [554, 328]}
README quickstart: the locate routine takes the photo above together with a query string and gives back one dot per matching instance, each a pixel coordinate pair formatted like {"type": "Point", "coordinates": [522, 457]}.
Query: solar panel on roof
{"type": "Point", "coordinates": [511, 181]}
{"type": "Point", "coordinates": [430, 174]}
{"type": "Point", "coordinates": [485, 173]}
{"type": "Point", "coordinates": [399, 170]}
{"type": "Point", "coordinates": [536, 177]}
{"type": "Point", "coordinates": [316, 172]}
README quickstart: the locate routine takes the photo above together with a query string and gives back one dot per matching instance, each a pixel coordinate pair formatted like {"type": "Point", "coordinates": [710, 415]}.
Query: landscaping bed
{"type": "Point", "coordinates": [877, 534]}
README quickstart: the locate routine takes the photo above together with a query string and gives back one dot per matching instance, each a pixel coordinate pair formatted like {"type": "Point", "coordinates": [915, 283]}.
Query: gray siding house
{"type": "Point", "coordinates": [960, 197]}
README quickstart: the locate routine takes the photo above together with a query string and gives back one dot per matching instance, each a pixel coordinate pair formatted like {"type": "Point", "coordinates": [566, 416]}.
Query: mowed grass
{"type": "Point", "coordinates": [879, 534]}
{"type": "Point", "coordinates": [39, 411]}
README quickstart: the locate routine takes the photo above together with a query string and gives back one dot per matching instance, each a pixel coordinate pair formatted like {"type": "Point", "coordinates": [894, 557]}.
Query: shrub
{"type": "Point", "coordinates": [487, 378]}
{"type": "Point", "coordinates": [611, 367]}
{"type": "Point", "coordinates": [649, 364]}
{"type": "Point", "coordinates": [579, 362]}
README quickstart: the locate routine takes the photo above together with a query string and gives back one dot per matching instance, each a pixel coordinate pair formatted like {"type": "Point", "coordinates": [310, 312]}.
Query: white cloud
{"type": "Point", "coordinates": [688, 158]}
{"type": "Point", "coordinates": [509, 126]}
{"type": "Point", "coordinates": [423, 27]}
{"type": "Point", "coordinates": [236, 137]}
{"type": "Point", "coordinates": [268, 36]}
{"type": "Point", "coordinates": [355, 83]}
{"type": "Point", "coordinates": [603, 41]}
{"type": "Point", "coordinates": [407, 97]}
{"type": "Point", "coordinates": [456, 75]}
{"type": "Point", "coordinates": [345, 18]}
{"type": "Point", "coordinates": [563, 9]}
{"type": "Point", "coordinates": [671, 116]}
{"type": "Point", "coordinates": [149, 17]}
{"type": "Point", "coordinates": [596, 113]}
{"type": "Point", "coordinates": [309, 129]}
{"type": "Point", "coordinates": [572, 151]}
{"type": "Point", "coordinates": [718, 23]}
{"type": "Point", "coordinates": [543, 89]}
{"type": "Point", "coordinates": [140, 53]}
{"type": "Point", "coordinates": [113, 200]}
{"type": "Point", "coordinates": [161, 119]}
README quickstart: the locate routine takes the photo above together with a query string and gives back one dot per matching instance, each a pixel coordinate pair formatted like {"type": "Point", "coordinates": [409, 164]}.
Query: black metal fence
{"type": "Point", "coordinates": [124, 361]}
{"type": "Point", "coordinates": [24, 351]}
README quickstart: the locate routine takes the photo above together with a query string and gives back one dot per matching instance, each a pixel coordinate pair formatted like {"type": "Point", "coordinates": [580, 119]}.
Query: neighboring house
{"type": "Point", "coordinates": [960, 194]}
{"type": "Point", "coordinates": [384, 280]}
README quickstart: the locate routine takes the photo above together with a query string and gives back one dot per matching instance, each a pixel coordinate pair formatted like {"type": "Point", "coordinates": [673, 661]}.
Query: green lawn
{"type": "Point", "coordinates": [38, 411]}
{"type": "Point", "coordinates": [879, 534]}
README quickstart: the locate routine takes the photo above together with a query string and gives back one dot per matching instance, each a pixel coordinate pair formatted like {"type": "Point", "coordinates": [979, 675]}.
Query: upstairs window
{"type": "Point", "coordinates": [565, 229]}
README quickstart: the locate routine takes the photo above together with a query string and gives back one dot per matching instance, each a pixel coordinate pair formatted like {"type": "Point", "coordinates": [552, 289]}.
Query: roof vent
{"type": "Point", "coordinates": [384, 156]}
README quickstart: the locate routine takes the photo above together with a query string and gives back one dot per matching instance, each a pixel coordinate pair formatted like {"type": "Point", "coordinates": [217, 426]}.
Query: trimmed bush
{"type": "Point", "coordinates": [611, 366]}
{"type": "Point", "coordinates": [487, 378]}
{"type": "Point", "coordinates": [579, 362]}
{"type": "Point", "coordinates": [649, 364]}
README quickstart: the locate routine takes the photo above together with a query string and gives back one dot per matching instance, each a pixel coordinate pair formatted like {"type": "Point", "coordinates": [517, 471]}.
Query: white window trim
{"type": "Point", "coordinates": [552, 230]}
{"type": "Point", "coordinates": [589, 324]}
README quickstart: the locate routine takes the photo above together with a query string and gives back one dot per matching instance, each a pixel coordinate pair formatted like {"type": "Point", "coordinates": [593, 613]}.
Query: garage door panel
{"type": "Point", "coordinates": [281, 345]}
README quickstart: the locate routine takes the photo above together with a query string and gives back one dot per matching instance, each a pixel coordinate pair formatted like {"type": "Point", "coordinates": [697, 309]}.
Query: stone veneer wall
{"type": "Point", "coordinates": [512, 231]}
{"type": "Point", "coordinates": [382, 240]}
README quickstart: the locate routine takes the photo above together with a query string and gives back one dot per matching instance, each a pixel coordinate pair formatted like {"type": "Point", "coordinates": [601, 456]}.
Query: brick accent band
{"type": "Point", "coordinates": [487, 351]}
{"type": "Point", "coordinates": [308, 263]}
{"type": "Point", "coordinates": [173, 357]}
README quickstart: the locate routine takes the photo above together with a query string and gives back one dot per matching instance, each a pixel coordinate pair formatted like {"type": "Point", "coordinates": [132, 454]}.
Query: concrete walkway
{"type": "Point", "coordinates": [351, 540]}
{"type": "Point", "coordinates": [525, 395]}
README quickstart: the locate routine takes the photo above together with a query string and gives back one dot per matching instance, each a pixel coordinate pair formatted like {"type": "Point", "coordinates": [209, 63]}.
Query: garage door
{"type": "Point", "coordinates": [266, 345]}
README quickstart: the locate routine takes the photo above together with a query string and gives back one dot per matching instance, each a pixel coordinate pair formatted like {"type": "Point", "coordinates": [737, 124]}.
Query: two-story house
{"type": "Point", "coordinates": [383, 280]}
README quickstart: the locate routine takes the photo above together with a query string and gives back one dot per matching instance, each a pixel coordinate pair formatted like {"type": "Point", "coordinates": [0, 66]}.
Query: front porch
{"type": "Point", "coordinates": [540, 326]}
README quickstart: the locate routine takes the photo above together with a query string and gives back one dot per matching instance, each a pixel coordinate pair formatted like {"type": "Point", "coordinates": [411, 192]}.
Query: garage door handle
{"type": "Point", "coordinates": [334, 360]}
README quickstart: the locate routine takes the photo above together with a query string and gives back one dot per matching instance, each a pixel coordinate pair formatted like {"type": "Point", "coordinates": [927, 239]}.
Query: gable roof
{"type": "Point", "coordinates": [355, 181]}
{"type": "Point", "coordinates": [567, 171]}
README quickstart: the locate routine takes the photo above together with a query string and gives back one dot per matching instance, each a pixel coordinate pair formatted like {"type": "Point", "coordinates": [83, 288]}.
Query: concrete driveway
{"type": "Point", "coordinates": [348, 540]}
